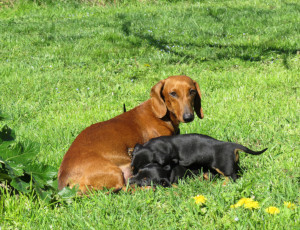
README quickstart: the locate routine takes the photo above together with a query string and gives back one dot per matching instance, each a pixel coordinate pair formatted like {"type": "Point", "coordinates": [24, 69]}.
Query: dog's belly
{"type": "Point", "coordinates": [127, 172]}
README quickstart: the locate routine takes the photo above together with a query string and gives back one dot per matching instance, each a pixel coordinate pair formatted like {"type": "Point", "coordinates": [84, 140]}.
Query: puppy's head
{"type": "Point", "coordinates": [151, 174]}
{"type": "Point", "coordinates": [154, 151]}
{"type": "Point", "coordinates": [141, 156]}
{"type": "Point", "coordinates": [179, 95]}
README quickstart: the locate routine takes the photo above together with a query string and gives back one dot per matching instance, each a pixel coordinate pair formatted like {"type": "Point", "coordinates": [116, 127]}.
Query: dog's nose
{"type": "Point", "coordinates": [188, 117]}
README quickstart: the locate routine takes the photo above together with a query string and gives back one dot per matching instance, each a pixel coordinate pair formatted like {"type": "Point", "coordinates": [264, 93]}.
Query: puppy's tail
{"type": "Point", "coordinates": [246, 150]}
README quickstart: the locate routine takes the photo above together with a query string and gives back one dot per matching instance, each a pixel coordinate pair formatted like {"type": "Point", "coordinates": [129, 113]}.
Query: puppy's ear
{"type": "Point", "coordinates": [137, 147]}
{"type": "Point", "coordinates": [165, 182]}
{"type": "Point", "coordinates": [158, 105]}
{"type": "Point", "coordinates": [197, 102]}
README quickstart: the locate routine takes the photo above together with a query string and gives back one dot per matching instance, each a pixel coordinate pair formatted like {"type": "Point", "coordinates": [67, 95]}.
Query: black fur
{"type": "Point", "coordinates": [189, 151]}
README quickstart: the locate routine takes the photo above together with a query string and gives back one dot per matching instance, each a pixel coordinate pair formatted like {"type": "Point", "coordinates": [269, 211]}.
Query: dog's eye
{"type": "Point", "coordinates": [173, 94]}
{"type": "Point", "coordinates": [192, 92]}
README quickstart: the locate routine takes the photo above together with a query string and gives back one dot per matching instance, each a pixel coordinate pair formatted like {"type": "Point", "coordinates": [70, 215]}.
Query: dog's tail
{"type": "Point", "coordinates": [246, 150]}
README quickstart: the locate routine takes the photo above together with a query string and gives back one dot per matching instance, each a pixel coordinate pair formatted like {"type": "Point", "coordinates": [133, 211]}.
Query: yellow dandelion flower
{"type": "Point", "coordinates": [251, 205]}
{"type": "Point", "coordinates": [200, 199]}
{"type": "Point", "coordinates": [289, 205]}
{"type": "Point", "coordinates": [241, 202]}
{"type": "Point", "coordinates": [244, 201]}
{"type": "Point", "coordinates": [272, 210]}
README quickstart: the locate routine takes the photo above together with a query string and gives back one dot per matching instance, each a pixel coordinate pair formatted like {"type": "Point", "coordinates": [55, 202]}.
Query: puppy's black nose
{"type": "Point", "coordinates": [188, 117]}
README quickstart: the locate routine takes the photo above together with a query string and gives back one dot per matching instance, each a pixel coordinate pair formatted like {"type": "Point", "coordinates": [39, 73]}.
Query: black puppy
{"type": "Point", "coordinates": [155, 174]}
{"type": "Point", "coordinates": [191, 151]}
{"type": "Point", "coordinates": [152, 174]}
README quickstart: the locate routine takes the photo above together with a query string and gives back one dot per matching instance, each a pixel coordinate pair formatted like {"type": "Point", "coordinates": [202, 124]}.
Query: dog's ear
{"type": "Point", "coordinates": [197, 102]}
{"type": "Point", "coordinates": [158, 105]}
{"type": "Point", "coordinates": [137, 147]}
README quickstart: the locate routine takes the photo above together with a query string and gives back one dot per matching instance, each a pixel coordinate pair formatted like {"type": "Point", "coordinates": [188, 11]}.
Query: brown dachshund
{"type": "Point", "coordinates": [99, 158]}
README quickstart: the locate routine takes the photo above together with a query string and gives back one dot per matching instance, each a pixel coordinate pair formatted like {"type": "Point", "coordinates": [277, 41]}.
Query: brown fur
{"type": "Point", "coordinates": [99, 158]}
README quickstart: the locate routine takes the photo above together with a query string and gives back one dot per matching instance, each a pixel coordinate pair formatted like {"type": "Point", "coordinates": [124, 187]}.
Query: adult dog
{"type": "Point", "coordinates": [98, 158]}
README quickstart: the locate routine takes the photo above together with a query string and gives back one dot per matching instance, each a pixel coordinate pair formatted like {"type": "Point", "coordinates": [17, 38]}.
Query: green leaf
{"type": "Point", "coordinates": [4, 176]}
{"type": "Point", "coordinates": [44, 195]}
{"type": "Point", "coordinates": [41, 174]}
{"type": "Point", "coordinates": [14, 169]}
{"type": "Point", "coordinates": [20, 185]}
{"type": "Point", "coordinates": [67, 193]}
{"type": "Point", "coordinates": [53, 184]}
{"type": "Point", "coordinates": [15, 152]}
{"type": "Point", "coordinates": [7, 134]}
{"type": "Point", "coordinates": [6, 150]}
{"type": "Point", "coordinates": [17, 169]}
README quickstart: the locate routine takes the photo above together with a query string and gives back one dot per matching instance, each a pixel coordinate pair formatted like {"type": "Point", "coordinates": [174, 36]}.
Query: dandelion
{"type": "Point", "coordinates": [199, 199]}
{"type": "Point", "coordinates": [289, 205]}
{"type": "Point", "coordinates": [147, 65]}
{"type": "Point", "coordinates": [241, 202]}
{"type": "Point", "coordinates": [252, 205]}
{"type": "Point", "coordinates": [272, 210]}
{"type": "Point", "coordinates": [248, 203]}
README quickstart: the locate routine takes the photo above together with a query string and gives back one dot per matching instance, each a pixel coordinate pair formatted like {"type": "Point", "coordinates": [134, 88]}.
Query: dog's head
{"type": "Point", "coordinates": [151, 174]}
{"type": "Point", "coordinates": [154, 151]}
{"type": "Point", "coordinates": [140, 157]}
{"type": "Point", "coordinates": [179, 95]}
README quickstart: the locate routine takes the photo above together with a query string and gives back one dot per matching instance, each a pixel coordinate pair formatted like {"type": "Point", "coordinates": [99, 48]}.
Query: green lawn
{"type": "Point", "coordinates": [68, 64]}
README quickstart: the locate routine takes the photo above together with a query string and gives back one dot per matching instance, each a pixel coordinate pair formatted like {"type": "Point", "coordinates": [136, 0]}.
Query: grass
{"type": "Point", "coordinates": [68, 64]}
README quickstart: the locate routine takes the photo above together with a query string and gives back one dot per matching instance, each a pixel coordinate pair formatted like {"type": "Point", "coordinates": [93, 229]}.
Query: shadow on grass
{"type": "Point", "coordinates": [265, 50]}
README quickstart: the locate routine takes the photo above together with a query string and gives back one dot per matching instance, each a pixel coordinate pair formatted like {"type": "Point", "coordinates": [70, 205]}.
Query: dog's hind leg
{"type": "Point", "coordinates": [236, 154]}
{"type": "Point", "coordinates": [222, 173]}
{"type": "Point", "coordinates": [99, 173]}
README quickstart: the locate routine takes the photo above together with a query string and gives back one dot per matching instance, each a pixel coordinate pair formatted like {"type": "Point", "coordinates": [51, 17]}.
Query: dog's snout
{"type": "Point", "coordinates": [188, 117]}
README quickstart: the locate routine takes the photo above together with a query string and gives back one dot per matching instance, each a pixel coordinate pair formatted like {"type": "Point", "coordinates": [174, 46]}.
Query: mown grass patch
{"type": "Point", "coordinates": [66, 65]}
